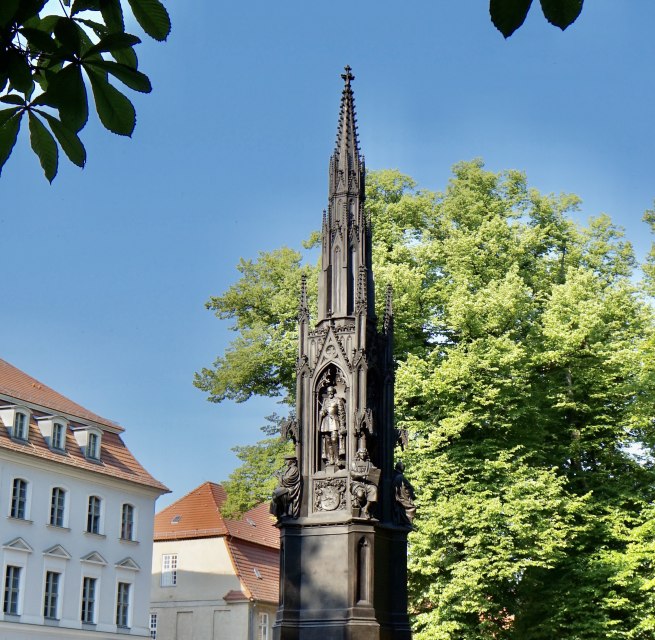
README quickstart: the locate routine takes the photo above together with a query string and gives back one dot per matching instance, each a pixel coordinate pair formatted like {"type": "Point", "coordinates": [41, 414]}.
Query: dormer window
{"type": "Point", "coordinates": [20, 426]}
{"type": "Point", "coordinates": [58, 436]}
{"type": "Point", "coordinates": [90, 441]}
{"type": "Point", "coordinates": [93, 446]}
{"type": "Point", "coordinates": [53, 429]}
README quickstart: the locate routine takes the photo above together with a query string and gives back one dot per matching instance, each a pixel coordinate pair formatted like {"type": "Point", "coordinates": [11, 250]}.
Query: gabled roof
{"type": "Point", "coordinates": [17, 384]}
{"type": "Point", "coordinates": [116, 460]}
{"type": "Point", "coordinates": [258, 567]}
{"type": "Point", "coordinates": [253, 541]}
{"type": "Point", "coordinates": [196, 515]}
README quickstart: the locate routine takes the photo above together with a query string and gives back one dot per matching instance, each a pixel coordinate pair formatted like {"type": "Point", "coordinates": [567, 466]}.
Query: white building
{"type": "Point", "coordinates": [76, 519]}
{"type": "Point", "coordinates": [213, 578]}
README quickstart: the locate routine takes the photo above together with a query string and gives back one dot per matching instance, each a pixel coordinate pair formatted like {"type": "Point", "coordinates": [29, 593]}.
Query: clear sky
{"type": "Point", "coordinates": [105, 273]}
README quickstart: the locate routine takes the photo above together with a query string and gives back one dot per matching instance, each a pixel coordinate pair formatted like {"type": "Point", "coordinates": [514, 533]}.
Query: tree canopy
{"type": "Point", "coordinates": [525, 380]}
{"type": "Point", "coordinates": [509, 15]}
{"type": "Point", "coordinates": [47, 49]}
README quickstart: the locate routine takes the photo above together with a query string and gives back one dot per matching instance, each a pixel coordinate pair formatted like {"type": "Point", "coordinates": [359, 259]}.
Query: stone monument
{"type": "Point", "coordinates": [343, 510]}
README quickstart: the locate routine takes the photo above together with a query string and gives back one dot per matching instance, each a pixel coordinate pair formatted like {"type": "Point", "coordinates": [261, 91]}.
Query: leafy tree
{"type": "Point", "coordinates": [509, 15]}
{"type": "Point", "coordinates": [253, 482]}
{"type": "Point", "coordinates": [45, 54]}
{"type": "Point", "coordinates": [524, 350]}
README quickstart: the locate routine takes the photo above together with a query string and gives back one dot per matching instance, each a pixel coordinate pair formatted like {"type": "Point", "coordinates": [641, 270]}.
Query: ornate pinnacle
{"type": "Point", "coordinates": [348, 77]}
{"type": "Point", "coordinates": [388, 309]}
{"type": "Point", "coordinates": [303, 308]}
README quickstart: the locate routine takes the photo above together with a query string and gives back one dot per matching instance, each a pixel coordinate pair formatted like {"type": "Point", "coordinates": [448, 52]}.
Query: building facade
{"type": "Point", "coordinates": [213, 578]}
{"type": "Point", "coordinates": [76, 519]}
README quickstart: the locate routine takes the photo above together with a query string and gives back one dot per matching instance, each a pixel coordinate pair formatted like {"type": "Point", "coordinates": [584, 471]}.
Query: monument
{"type": "Point", "coordinates": [344, 510]}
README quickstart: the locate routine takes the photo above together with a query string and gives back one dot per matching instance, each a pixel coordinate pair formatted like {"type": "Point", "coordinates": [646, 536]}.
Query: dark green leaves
{"type": "Point", "coordinates": [50, 54]}
{"type": "Point", "coordinates": [9, 128]}
{"type": "Point", "coordinates": [153, 18]}
{"type": "Point", "coordinates": [44, 146]}
{"type": "Point", "coordinates": [66, 92]}
{"type": "Point", "coordinates": [128, 76]}
{"type": "Point", "coordinates": [68, 140]}
{"type": "Point", "coordinates": [561, 13]}
{"type": "Point", "coordinates": [114, 109]}
{"type": "Point", "coordinates": [509, 15]}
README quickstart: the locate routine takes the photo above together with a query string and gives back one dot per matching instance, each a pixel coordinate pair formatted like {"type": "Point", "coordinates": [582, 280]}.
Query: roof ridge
{"type": "Point", "coordinates": [21, 390]}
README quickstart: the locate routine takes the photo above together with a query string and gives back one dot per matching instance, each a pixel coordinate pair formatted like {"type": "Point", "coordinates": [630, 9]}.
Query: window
{"type": "Point", "coordinates": [57, 505]}
{"type": "Point", "coordinates": [19, 499]}
{"type": "Point", "coordinates": [12, 586]}
{"type": "Point", "coordinates": [88, 600]}
{"type": "Point", "coordinates": [58, 435]}
{"type": "Point", "coordinates": [93, 515]}
{"type": "Point", "coordinates": [127, 522]}
{"type": "Point", "coordinates": [169, 570]}
{"type": "Point", "coordinates": [262, 633]}
{"type": "Point", "coordinates": [153, 626]}
{"type": "Point", "coordinates": [123, 604]}
{"type": "Point", "coordinates": [20, 426]}
{"type": "Point", "coordinates": [93, 446]}
{"type": "Point", "coordinates": [51, 597]}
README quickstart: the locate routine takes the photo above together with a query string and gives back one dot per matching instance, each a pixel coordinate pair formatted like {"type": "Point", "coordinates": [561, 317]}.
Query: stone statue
{"type": "Point", "coordinates": [333, 427]}
{"type": "Point", "coordinates": [404, 508]}
{"type": "Point", "coordinates": [286, 496]}
{"type": "Point", "coordinates": [364, 487]}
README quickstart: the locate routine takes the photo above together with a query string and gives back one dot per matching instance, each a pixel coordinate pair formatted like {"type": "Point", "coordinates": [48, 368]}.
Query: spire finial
{"type": "Point", "coordinates": [348, 77]}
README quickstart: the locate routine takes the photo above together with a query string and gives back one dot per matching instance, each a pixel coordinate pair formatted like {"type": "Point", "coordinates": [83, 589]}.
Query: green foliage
{"type": "Point", "coordinates": [43, 59]}
{"type": "Point", "coordinates": [253, 482]}
{"type": "Point", "coordinates": [509, 15]}
{"type": "Point", "coordinates": [525, 353]}
{"type": "Point", "coordinates": [263, 305]}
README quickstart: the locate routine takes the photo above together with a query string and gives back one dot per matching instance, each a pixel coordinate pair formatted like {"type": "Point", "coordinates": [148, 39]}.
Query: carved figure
{"type": "Point", "coordinates": [333, 427]}
{"type": "Point", "coordinates": [364, 487]}
{"type": "Point", "coordinates": [404, 508]}
{"type": "Point", "coordinates": [286, 496]}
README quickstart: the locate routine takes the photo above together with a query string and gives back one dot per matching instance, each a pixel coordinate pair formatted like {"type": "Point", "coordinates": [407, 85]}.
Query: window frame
{"type": "Point", "coordinates": [11, 593]}
{"type": "Point", "coordinates": [51, 593]}
{"type": "Point", "coordinates": [262, 630]}
{"type": "Point", "coordinates": [58, 507]}
{"type": "Point", "coordinates": [23, 433]}
{"type": "Point", "coordinates": [152, 625]}
{"type": "Point", "coordinates": [94, 515]}
{"type": "Point", "coordinates": [128, 522]}
{"type": "Point", "coordinates": [58, 438]}
{"type": "Point", "coordinates": [93, 443]}
{"type": "Point", "coordinates": [89, 600]}
{"type": "Point", "coordinates": [169, 573]}
{"type": "Point", "coordinates": [18, 505]}
{"type": "Point", "coordinates": [123, 600]}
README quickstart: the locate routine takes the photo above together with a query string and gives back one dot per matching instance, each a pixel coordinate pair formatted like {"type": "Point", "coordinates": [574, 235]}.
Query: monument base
{"type": "Point", "coordinates": [322, 598]}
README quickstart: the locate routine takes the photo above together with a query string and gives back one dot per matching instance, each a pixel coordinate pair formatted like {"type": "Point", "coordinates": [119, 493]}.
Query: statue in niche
{"type": "Point", "coordinates": [404, 508]}
{"type": "Point", "coordinates": [364, 486]}
{"type": "Point", "coordinates": [286, 496]}
{"type": "Point", "coordinates": [333, 428]}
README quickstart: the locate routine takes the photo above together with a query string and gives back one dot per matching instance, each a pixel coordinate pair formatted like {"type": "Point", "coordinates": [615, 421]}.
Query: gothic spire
{"type": "Point", "coordinates": [347, 146]}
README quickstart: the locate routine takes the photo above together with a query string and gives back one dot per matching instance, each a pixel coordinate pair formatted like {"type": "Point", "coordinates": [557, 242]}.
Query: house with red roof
{"type": "Point", "coordinates": [213, 578]}
{"type": "Point", "coordinates": [76, 519]}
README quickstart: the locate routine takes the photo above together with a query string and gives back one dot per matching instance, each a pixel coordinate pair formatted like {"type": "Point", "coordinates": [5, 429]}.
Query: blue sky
{"type": "Point", "coordinates": [105, 272]}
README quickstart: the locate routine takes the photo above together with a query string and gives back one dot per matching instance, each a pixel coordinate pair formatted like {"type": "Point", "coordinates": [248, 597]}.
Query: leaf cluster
{"type": "Point", "coordinates": [48, 59]}
{"type": "Point", "coordinates": [509, 15]}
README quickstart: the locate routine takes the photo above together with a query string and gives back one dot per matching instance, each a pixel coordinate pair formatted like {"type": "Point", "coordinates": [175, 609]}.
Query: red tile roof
{"type": "Point", "coordinates": [258, 567]}
{"type": "Point", "coordinates": [253, 541]}
{"type": "Point", "coordinates": [16, 384]}
{"type": "Point", "coordinates": [196, 515]}
{"type": "Point", "coordinates": [116, 460]}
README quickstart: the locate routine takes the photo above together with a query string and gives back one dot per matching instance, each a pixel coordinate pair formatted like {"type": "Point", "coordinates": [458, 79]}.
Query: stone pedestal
{"type": "Point", "coordinates": [336, 577]}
